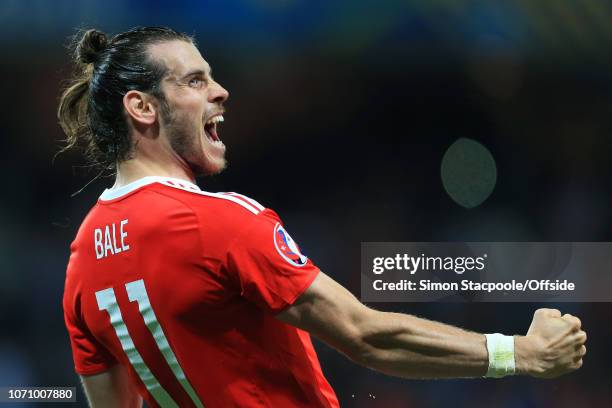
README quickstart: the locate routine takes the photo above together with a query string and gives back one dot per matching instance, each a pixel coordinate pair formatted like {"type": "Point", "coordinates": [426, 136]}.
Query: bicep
{"type": "Point", "coordinates": [111, 388]}
{"type": "Point", "coordinates": [330, 312]}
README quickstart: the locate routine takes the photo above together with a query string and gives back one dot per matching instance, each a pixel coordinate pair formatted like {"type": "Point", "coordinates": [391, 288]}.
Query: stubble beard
{"type": "Point", "coordinates": [184, 137]}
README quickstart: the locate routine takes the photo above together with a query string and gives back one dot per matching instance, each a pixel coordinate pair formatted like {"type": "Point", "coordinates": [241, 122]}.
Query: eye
{"type": "Point", "coordinates": [195, 82]}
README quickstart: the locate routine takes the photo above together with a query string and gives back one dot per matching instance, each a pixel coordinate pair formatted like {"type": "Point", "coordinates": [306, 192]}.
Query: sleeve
{"type": "Point", "coordinates": [271, 270]}
{"type": "Point", "coordinates": [90, 357]}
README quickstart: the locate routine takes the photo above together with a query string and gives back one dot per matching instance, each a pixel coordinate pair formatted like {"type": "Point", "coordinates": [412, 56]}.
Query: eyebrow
{"type": "Point", "coordinates": [198, 72]}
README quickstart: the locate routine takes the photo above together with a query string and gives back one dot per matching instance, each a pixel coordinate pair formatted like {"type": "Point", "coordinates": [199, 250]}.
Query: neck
{"type": "Point", "coordinates": [128, 172]}
{"type": "Point", "coordinates": [147, 162]}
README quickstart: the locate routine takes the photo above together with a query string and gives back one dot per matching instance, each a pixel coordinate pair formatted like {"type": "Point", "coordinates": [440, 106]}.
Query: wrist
{"type": "Point", "coordinates": [523, 352]}
{"type": "Point", "coordinates": [500, 349]}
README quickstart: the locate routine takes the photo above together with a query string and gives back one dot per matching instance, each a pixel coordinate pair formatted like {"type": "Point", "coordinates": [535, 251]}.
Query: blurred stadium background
{"type": "Point", "coordinates": [339, 116]}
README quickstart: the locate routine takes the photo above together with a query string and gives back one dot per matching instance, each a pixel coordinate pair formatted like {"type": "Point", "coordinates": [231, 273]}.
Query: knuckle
{"type": "Point", "coordinates": [547, 312]}
{"type": "Point", "coordinates": [572, 322]}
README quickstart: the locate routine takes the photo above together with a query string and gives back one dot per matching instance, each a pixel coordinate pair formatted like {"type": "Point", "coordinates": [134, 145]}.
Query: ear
{"type": "Point", "coordinates": [139, 107]}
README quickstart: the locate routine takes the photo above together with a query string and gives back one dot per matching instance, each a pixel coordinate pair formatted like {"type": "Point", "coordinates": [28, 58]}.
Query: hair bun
{"type": "Point", "coordinates": [90, 46]}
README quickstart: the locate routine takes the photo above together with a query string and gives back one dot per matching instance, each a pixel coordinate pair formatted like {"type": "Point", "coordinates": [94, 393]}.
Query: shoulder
{"type": "Point", "coordinates": [225, 217]}
{"type": "Point", "coordinates": [232, 202]}
{"type": "Point", "coordinates": [222, 203]}
{"type": "Point", "coordinates": [229, 211]}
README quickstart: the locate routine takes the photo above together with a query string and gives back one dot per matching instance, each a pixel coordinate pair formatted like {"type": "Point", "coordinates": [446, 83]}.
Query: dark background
{"type": "Point", "coordinates": [339, 116]}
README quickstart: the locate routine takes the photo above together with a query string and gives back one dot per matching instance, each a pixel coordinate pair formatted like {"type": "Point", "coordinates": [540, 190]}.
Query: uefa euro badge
{"type": "Point", "coordinates": [287, 248]}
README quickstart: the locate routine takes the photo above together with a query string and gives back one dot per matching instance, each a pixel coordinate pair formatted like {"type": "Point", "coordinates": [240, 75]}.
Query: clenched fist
{"type": "Point", "coordinates": [553, 346]}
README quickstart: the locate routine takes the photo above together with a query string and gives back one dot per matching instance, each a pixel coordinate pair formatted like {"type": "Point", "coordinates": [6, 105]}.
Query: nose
{"type": "Point", "coordinates": [218, 94]}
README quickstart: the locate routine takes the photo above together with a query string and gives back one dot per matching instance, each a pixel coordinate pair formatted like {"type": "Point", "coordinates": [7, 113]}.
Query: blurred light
{"type": "Point", "coordinates": [468, 172]}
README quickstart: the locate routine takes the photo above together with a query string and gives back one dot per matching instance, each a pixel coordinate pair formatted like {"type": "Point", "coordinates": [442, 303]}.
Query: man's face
{"type": "Point", "coordinates": [195, 106]}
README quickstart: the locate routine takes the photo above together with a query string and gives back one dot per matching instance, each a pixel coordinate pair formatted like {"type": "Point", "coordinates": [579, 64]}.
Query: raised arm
{"type": "Point", "coordinates": [407, 346]}
{"type": "Point", "coordinates": [111, 389]}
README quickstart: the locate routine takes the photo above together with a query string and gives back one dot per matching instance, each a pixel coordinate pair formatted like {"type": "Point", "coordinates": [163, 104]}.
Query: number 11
{"type": "Point", "coordinates": [137, 292]}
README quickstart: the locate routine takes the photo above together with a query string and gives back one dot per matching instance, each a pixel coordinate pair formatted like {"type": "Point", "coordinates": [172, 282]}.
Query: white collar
{"type": "Point", "coordinates": [111, 194]}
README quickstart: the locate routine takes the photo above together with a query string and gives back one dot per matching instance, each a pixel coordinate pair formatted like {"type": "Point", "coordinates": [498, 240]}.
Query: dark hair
{"type": "Point", "coordinates": [91, 107]}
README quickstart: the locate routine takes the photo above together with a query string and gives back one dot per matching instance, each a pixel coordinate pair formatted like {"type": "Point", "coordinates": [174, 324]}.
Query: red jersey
{"type": "Point", "coordinates": [181, 287]}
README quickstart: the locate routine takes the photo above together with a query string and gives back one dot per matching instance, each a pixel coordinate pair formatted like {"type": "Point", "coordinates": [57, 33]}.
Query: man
{"type": "Point", "coordinates": [189, 298]}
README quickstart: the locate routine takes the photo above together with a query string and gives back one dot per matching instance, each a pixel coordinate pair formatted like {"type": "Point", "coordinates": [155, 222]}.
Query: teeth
{"type": "Point", "coordinates": [216, 119]}
{"type": "Point", "coordinates": [215, 142]}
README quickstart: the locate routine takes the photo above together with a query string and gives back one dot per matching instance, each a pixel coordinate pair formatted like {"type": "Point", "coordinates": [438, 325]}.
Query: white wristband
{"type": "Point", "coordinates": [501, 355]}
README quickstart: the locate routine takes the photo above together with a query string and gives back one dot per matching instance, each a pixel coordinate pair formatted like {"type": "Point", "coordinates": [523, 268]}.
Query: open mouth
{"type": "Point", "coordinates": [210, 129]}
